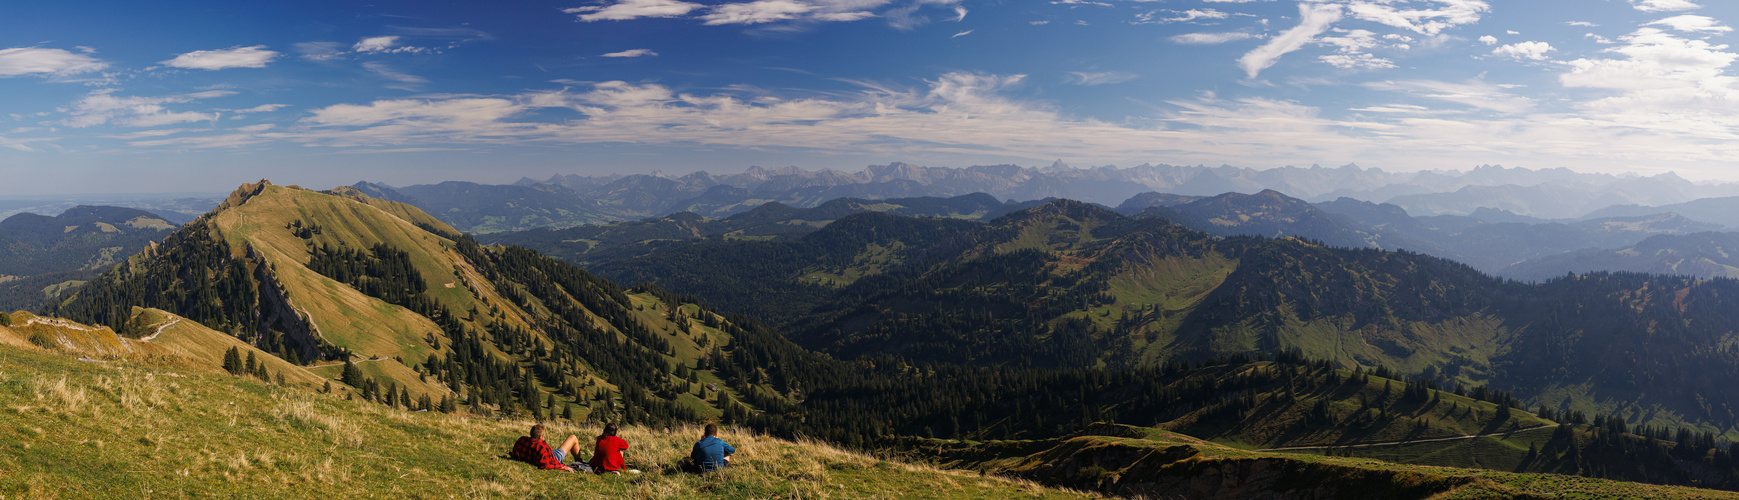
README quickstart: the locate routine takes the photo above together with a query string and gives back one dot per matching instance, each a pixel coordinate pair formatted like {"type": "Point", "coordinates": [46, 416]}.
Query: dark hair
{"type": "Point", "coordinates": [609, 430]}
{"type": "Point", "coordinates": [537, 431]}
{"type": "Point", "coordinates": [712, 429]}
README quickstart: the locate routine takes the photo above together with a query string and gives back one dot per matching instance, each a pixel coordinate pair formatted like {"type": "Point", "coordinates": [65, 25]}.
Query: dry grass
{"type": "Point", "coordinates": [71, 429]}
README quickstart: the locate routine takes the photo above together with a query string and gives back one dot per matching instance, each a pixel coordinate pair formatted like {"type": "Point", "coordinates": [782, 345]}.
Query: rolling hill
{"type": "Point", "coordinates": [1070, 285]}
{"type": "Point", "coordinates": [40, 256]}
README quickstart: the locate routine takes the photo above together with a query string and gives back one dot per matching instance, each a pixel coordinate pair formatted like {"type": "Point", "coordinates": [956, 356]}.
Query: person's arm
{"type": "Point", "coordinates": [729, 450]}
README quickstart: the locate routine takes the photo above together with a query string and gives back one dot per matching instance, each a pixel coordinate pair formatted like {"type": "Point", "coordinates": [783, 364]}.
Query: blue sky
{"type": "Point", "coordinates": [187, 96]}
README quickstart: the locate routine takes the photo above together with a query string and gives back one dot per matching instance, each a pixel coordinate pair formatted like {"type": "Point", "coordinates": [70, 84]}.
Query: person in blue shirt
{"type": "Point", "coordinates": [711, 453]}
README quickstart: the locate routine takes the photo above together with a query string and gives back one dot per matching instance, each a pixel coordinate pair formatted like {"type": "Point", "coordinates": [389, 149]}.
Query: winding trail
{"type": "Point", "coordinates": [1412, 441]}
{"type": "Point", "coordinates": [160, 329]}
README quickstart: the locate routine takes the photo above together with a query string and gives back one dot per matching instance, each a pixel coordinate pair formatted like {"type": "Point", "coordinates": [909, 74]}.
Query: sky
{"type": "Point", "coordinates": [180, 96]}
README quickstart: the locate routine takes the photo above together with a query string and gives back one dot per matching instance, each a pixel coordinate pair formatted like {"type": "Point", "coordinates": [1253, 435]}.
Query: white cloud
{"type": "Point", "coordinates": [102, 107]}
{"type": "Point", "coordinates": [1182, 16]}
{"type": "Point", "coordinates": [1100, 78]}
{"type": "Point", "coordinates": [383, 44]}
{"type": "Point", "coordinates": [1314, 19]}
{"type": "Point", "coordinates": [1211, 38]}
{"type": "Point", "coordinates": [1475, 93]}
{"type": "Point", "coordinates": [632, 53]}
{"type": "Point", "coordinates": [1488, 40]}
{"type": "Point", "coordinates": [19, 61]}
{"type": "Point", "coordinates": [1352, 61]}
{"type": "Point", "coordinates": [756, 12]}
{"type": "Point", "coordinates": [1512, 32]}
{"type": "Point", "coordinates": [1654, 59]}
{"type": "Point", "coordinates": [842, 17]}
{"type": "Point", "coordinates": [1584, 24]}
{"type": "Point", "coordinates": [624, 10]}
{"type": "Point", "coordinates": [959, 13]}
{"type": "Point", "coordinates": [1038, 23]}
{"type": "Point", "coordinates": [1525, 50]}
{"type": "Point", "coordinates": [1664, 5]}
{"type": "Point", "coordinates": [1448, 14]}
{"type": "Point", "coordinates": [236, 57]}
{"type": "Point", "coordinates": [961, 34]}
{"type": "Point", "coordinates": [375, 44]}
{"type": "Point", "coordinates": [1691, 24]}
{"type": "Point", "coordinates": [1350, 41]}
{"type": "Point", "coordinates": [263, 108]}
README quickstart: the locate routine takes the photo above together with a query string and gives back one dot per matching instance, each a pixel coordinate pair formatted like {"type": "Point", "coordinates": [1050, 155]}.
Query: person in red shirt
{"type": "Point", "coordinates": [607, 454]}
{"type": "Point", "coordinates": [534, 450]}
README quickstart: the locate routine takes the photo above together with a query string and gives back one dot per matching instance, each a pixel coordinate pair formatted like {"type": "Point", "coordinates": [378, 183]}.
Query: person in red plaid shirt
{"type": "Point", "coordinates": [535, 451]}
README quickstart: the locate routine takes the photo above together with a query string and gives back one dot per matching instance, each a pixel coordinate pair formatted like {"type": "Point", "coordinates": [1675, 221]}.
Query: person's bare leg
{"type": "Point", "coordinates": [572, 448]}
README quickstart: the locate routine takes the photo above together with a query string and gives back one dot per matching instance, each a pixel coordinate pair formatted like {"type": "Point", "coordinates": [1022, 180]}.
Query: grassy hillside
{"type": "Point", "coordinates": [316, 278]}
{"type": "Point", "coordinates": [78, 429]}
{"type": "Point", "coordinates": [1157, 464]}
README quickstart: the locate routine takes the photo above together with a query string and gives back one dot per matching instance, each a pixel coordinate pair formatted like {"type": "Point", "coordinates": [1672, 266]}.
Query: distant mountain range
{"type": "Point", "coordinates": [571, 200]}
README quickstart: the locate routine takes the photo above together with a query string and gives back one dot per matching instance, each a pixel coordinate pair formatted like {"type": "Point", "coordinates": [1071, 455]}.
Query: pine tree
{"type": "Point", "coordinates": [568, 412]}
{"type": "Point", "coordinates": [251, 367]}
{"type": "Point", "coordinates": [232, 361]}
{"type": "Point", "coordinates": [352, 375]}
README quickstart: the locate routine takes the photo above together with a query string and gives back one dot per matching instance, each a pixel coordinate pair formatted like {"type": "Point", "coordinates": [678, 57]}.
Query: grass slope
{"type": "Point", "coordinates": [86, 430]}
{"type": "Point", "coordinates": [1128, 461]}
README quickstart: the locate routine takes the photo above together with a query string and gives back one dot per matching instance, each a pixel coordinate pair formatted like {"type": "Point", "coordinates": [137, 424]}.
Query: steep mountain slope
{"type": "Point", "coordinates": [1702, 255]}
{"type": "Point", "coordinates": [319, 279]}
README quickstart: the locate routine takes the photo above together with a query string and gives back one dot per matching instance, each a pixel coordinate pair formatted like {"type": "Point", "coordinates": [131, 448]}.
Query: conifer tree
{"type": "Point", "coordinates": [251, 367]}
{"type": "Point", "coordinates": [352, 375]}
{"type": "Point", "coordinates": [232, 361]}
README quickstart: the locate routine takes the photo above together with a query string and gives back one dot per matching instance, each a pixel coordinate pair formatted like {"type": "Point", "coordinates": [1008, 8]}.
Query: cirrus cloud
{"type": "Point", "coordinates": [19, 61]}
{"type": "Point", "coordinates": [235, 57]}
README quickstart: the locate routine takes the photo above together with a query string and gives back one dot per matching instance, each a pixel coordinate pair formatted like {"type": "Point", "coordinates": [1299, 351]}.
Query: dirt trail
{"type": "Point", "coordinates": [1412, 441]}
{"type": "Point", "coordinates": [160, 329]}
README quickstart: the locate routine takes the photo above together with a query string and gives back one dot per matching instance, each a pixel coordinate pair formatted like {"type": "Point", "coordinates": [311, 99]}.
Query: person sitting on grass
{"type": "Point", "coordinates": [711, 453]}
{"type": "Point", "coordinates": [534, 450]}
{"type": "Point", "coordinates": [607, 452]}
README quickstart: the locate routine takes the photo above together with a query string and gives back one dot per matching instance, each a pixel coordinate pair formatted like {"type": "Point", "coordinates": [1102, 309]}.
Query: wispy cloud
{"type": "Point", "coordinates": [1314, 19]}
{"type": "Point", "coordinates": [632, 53]}
{"type": "Point", "coordinates": [409, 81]}
{"type": "Point", "coordinates": [19, 61]}
{"type": "Point", "coordinates": [104, 107]}
{"type": "Point", "coordinates": [1691, 24]}
{"type": "Point", "coordinates": [1664, 5]}
{"type": "Point", "coordinates": [1100, 78]}
{"type": "Point", "coordinates": [624, 10]}
{"type": "Point", "coordinates": [1447, 14]}
{"type": "Point", "coordinates": [1211, 38]}
{"type": "Point", "coordinates": [1475, 93]}
{"type": "Point", "coordinates": [235, 57]}
{"type": "Point", "coordinates": [961, 34]}
{"type": "Point", "coordinates": [319, 51]}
